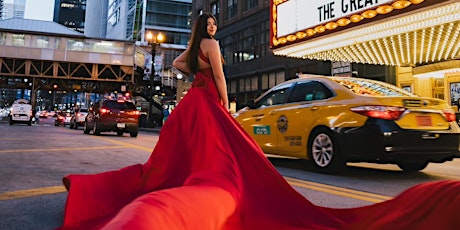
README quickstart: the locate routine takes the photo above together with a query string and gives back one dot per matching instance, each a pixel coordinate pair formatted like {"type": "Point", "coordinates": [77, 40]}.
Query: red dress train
{"type": "Point", "coordinates": [206, 172]}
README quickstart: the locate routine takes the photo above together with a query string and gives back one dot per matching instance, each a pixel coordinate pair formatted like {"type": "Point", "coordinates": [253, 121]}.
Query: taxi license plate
{"type": "Point", "coordinates": [121, 125]}
{"type": "Point", "coordinates": [424, 121]}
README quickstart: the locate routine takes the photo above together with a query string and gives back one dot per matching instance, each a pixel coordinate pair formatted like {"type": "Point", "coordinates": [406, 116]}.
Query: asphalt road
{"type": "Point", "coordinates": [33, 159]}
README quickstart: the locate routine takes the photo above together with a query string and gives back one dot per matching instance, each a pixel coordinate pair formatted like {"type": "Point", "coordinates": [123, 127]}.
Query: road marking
{"type": "Point", "coordinates": [63, 149]}
{"type": "Point", "coordinates": [345, 192]}
{"type": "Point", "coordinates": [27, 139]}
{"type": "Point", "coordinates": [339, 191]}
{"type": "Point", "coordinates": [148, 149]}
{"type": "Point", "coordinates": [31, 192]}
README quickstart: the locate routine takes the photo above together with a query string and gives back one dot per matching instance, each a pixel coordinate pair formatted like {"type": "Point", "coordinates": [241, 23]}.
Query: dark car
{"type": "Point", "coordinates": [112, 115]}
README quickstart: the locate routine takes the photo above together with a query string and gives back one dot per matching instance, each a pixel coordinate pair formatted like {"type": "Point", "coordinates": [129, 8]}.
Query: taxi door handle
{"type": "Point", "coordinates": [314, 108]}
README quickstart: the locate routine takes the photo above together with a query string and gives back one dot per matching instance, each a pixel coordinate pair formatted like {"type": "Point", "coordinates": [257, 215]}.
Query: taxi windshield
{"type": "Point", "coordinates": [370, 87]}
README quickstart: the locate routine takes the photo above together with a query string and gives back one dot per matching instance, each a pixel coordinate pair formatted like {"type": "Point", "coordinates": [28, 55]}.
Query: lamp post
{"type": "Point", "coordinates": [154, 41]}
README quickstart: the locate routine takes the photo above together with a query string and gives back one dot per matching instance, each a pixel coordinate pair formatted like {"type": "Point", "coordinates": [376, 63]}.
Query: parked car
{"type": "Point", "coordinates": [335, 120]}
{"type": "Point", "coordinates": [112, 115]}
{"type": "Point", "coordinates": [78, 118]}
{"type": "Point", "coordinates": [21, 112]}
{"type": "Point", "coordinates": [63, 119]}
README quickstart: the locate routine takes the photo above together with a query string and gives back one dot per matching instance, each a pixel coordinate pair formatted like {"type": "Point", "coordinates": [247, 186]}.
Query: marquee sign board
{"type": "Point", "coordinates": [296, 15]}
{"type": "Point", "coordinates": [293, 21]}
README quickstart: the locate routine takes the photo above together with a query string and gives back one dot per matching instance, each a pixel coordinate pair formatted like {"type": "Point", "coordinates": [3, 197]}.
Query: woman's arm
{"type": "Point", "coordinates": [217, 69]}
{"type": "Point", "coordinates": [181, 63]}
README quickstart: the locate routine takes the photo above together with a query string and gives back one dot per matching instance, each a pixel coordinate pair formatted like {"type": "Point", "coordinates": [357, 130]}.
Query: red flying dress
{"type": "Point", "coordinates": [206, 172]}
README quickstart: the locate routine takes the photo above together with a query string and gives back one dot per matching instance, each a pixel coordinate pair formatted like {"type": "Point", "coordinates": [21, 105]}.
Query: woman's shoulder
{"type": "Point", "coordinates": [209, 43]}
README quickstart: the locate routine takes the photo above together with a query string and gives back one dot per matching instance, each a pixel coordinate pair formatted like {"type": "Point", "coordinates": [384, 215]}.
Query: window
{"type": "Point", "coordinates": [247, 44]}
{"type": "Point", "coordinates": [309, 91]}
{"type": "Point", "coordinates": [254, 83]}
{"type": "Point", "coordinates": [232, 86]}
{"type": "Point", "coordinates": [232, 8]}
{"type": "Point", "coordinates": [215, 10]}
{"type": "Point", "coordinates": [42, 42]}
{"type": "Point", "coordinates": [123, 105]}
{"type": "Point", "coordinates": [247, 85]}
{"type": "Point", "coordinates": [249, 4]}
{"type": "Point", "coordinates": [19, 40]}
{"type": "Point", "coordinates": [455, 93]}
{"type": "Point", "coordinates": [115, 17]}
{"type": "Point", "coordinates": [3, 38]}
{"type": "Point", "coordinates": [264, 81]}
{"type": "Point", "coordinates": [274, 97]}
{"type": "Point", "coordinates": [242, 85]}
{"type": "Point", "coordinates": [438, 89]}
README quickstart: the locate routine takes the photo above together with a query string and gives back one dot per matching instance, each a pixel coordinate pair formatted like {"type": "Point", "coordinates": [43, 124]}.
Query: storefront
{"type": "Point", "coordinates": [419, 38]}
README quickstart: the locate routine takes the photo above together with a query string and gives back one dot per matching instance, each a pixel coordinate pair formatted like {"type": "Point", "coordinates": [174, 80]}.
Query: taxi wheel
{"type": "Point", "coordinates": [324, 152]}
{"type": "Point", "coordinates": [412, 166]}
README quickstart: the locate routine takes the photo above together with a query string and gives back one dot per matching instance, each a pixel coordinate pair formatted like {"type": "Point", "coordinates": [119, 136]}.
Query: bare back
{"type": "Point", "coordinates": [204, 48]}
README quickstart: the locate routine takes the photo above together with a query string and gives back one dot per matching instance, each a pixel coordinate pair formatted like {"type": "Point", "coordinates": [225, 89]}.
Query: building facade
{"type": "Point", "coordinates": [96, 18]}
{"type": "Point", "coordinates": [70, 13]}
{"type": "Point", "coordinates": [251, 67]}
{"type": "Point", "coordinates": [12, 9]}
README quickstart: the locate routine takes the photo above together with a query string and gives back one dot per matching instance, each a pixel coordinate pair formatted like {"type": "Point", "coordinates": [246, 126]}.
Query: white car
{"type": "Point", "coordinates": [21, 112]}
{"type": "Point", "coordinates": [78, 118]}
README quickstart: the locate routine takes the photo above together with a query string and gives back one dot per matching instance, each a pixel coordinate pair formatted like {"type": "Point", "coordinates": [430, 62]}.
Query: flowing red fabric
{"type": "Point", "coordinates": [206, 172]}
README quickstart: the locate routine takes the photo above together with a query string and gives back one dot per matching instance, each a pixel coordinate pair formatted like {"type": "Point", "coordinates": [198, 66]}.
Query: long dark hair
{"type": "Point", "coordinates": [199, 32]}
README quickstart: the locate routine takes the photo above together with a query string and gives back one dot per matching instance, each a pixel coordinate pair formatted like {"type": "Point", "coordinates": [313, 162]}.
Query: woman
{"type": "Point", "coordinates": [207, 173]}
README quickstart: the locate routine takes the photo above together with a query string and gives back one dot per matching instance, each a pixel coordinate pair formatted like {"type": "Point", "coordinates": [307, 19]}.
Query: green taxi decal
{"type": "Point", "coordinates": [262, 130]}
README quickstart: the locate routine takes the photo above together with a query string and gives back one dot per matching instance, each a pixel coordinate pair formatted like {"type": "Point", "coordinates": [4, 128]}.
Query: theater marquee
{"type": "Point", "coordinates": [403, 32]}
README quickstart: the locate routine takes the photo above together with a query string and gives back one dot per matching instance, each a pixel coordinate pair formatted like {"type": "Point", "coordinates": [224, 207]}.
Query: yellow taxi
{"type": "Point", "coordinates": [335, 120]}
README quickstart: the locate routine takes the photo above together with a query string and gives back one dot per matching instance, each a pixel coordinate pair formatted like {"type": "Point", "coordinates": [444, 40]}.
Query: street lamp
{"type": "Point", "coordinates": [154, 41]}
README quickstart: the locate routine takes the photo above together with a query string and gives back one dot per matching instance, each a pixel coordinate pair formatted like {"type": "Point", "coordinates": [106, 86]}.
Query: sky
{"type": "Point", "coordinates": [38, 9]}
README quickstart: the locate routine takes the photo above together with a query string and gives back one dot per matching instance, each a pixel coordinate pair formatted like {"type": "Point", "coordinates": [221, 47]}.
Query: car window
{"type": "Point", "coordinates": [274, 97]}
{"type": "Point", "coordinates": [121, 105]}
{"type": "Point", "coordinates": [83, 110]}
{"type": "Point", "coordinates": [309, 91]}
{"type": "Point", "coordinates": [369, 87]}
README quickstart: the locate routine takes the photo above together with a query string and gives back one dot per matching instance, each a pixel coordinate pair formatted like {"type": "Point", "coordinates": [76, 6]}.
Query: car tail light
{"type": "Point", "coordinates": [450, 115]}
{"type": "Point", "coordinates": [380, 111]}
{"type": "Point", "coordinates": [135, 112]}
{"type": "Point", "coordinates": [104, 110]}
